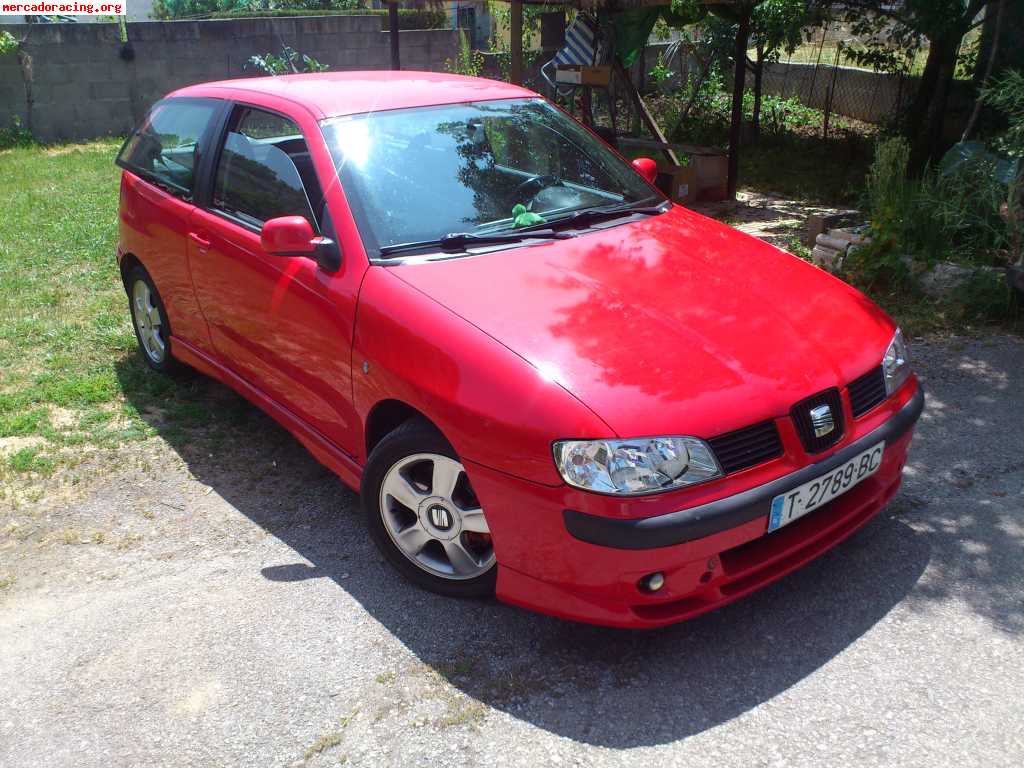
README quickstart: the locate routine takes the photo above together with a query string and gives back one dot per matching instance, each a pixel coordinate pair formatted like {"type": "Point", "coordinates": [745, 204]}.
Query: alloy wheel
{"type": "Point", "coordinates": [148, 322]}
{"type": "Point", "coordinates": [432, 515]}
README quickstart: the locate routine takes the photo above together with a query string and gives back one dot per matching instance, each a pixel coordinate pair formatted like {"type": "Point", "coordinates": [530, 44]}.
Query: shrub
{"type": "Point", "coordinates": [1006, 95]}
{"type": "Point", "coordinates": [467, 61]}
{"type": "Point", "coordinates": [8, 44]}
{"type": "Point", "coordinates": [943, 216]}
{"type": "Point", "coordinates": [288, 62]}
{"type": "Point", "coordinates": [15, 135]}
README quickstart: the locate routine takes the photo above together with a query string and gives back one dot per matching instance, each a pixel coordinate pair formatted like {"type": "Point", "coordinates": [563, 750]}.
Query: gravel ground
{"type": "Point", "coordinates": [227, 609]}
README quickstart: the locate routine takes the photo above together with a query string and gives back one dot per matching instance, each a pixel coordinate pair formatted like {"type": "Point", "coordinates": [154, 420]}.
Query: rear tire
{"type": "Point", "coordinates": [149, 319]}
{"type": "Point", "coordinates": [423, 515]}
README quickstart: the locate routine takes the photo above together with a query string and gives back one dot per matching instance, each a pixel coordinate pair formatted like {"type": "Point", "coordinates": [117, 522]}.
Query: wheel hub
{"type": "Point", "coordinates": [439, 518]}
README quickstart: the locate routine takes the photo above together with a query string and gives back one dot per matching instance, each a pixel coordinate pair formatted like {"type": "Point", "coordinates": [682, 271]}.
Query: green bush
{"type": "Point", "coordinates": [288, 62]}
{"type": "Point", "coordinates": [7, 43]}
{"type": "Point", "coordinates": [468, 61]}
{"type": "Point", "coordinates": [15, 135]}
{"type": "Point", "coordinates": [1006, 96]}
{"type": "Point", "coordinates": [408, 18]}
{"type": "Point", "coordinates": [943, 216]}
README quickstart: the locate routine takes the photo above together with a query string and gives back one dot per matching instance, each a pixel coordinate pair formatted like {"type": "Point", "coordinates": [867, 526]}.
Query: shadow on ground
{"type": "Point", "coordinates": [616, 688]}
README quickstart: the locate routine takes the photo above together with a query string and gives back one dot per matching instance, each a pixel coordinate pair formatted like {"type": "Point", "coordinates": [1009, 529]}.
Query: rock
{"type": "Point", "coordinates": [1015, 277]}
{"type": "Point", "coordinates": [820, 223]}
{"type": "Point", "coordinates": [850, 235]}
{"type": "Point", "coordinates": [827, 258]}
{"type": "Point", "coordinates": [834, 243]}
{"type": "Point", "coordinates": [946, 278]}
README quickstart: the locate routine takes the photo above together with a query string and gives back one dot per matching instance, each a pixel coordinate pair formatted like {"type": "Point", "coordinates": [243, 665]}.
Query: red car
{"type": "Point", "coordinates": [545, 380]}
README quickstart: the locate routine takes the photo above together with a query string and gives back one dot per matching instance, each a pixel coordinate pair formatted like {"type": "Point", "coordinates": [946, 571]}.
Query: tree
{"type": "Point", "coordinates": [897, 31]}
{"type": "Point", "coordinates": [775, 26]}
{"type": "Point", "coordinates": [772, 25]}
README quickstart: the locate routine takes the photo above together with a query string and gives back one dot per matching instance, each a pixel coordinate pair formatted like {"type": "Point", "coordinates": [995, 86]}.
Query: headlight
{"type": "Point", "coordinates": [896, 363]}
{"type": "Point", "coordinates": [633, 467]}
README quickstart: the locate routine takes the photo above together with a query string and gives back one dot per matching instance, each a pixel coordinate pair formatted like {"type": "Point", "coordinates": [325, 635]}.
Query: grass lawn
{"type": "Point", "coordinates": [71, 383]}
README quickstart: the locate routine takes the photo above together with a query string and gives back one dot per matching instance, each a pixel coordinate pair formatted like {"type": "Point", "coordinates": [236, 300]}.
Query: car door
{"type": "Point", "coordinates": [274, 321]}
{"type": "Point", "coordinates": [163, 169]}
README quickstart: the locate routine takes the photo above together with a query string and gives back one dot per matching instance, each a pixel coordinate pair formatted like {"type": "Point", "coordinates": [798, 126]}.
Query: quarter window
{"type": "Point", "coordinates": [265, 171]}
{"type": "Point", "coordinates": [165, 149]}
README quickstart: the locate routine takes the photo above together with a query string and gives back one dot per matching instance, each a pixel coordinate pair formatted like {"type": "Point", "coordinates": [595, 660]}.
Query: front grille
{"type": "Point", "coordinates": [867, 391]}
{"type": "Point", "coordinates": [801, 415]}
{"type": "Point", "coordinates": [747, 447]}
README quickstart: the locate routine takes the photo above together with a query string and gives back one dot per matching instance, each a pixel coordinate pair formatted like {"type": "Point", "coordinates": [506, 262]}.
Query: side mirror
{"type": "Point", "coordinates": [289, 236]}
{"type": "Point", "coordinates": [646, 168]}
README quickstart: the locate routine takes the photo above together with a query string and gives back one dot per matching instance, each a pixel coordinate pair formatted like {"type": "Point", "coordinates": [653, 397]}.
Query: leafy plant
{"type": "Point", "coordinates": [8, 43]}
{"type": "Point", "coordinates": [468, 61]}
{"type": "Point", "coordinates": [660, 72]}
{"type": "Point", "coordinates": [289, 62]}
{"type": "Point", "coordinates": [954, 212]}
{"type": "Point", "coordinates": [1006, 95]}
{"type": "Point", "coordinates": [192, 9]}
{"type": "Point", "coordinates": [15, 135]}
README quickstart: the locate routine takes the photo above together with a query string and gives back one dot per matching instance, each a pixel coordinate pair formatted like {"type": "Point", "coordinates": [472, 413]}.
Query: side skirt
{"type": "Point", "coordinates": [323, 450]}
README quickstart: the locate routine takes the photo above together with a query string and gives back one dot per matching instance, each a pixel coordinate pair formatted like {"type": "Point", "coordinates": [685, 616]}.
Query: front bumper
{"type": "Point", "coordinates": [580, 556]}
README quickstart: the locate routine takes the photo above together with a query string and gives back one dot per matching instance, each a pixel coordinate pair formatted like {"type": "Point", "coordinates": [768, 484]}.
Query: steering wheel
{"type": "Point", "coordinates": [533, 186]}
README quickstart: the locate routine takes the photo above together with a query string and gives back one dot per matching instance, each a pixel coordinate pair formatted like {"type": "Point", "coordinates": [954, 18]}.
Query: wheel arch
{"type": "Point", "coordinates": [128, 262]}
{"type": "Point", "coordinates": [388, 415]}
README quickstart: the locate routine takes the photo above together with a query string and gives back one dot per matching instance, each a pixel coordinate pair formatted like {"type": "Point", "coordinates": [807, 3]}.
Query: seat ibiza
{"type": "Point", "coordinates": [546, 380]}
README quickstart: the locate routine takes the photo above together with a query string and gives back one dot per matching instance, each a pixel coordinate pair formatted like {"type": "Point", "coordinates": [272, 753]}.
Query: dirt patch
{"type": "Point", "coordinates": [9, 445]}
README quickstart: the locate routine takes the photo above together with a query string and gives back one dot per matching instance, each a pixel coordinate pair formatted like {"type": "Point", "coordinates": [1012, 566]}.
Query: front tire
{"type": "Point", "coordinates": [423, 515]}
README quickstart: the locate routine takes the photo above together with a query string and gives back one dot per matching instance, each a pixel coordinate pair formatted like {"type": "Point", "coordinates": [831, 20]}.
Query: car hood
{"type": "Point", "coordinates": [674, 324]}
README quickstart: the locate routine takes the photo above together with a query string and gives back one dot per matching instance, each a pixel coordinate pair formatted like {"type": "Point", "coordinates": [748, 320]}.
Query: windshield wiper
{"type": "Point", "coordinates": [457, 240]}
{"type": "Point", "coordinates": [593, 215]}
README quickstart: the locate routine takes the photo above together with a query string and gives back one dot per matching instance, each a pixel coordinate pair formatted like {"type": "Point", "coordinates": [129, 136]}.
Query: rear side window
{"type": "Point", "coordinates": [265, 171]}
{"type": "Point", "coordinates": [165, 148]}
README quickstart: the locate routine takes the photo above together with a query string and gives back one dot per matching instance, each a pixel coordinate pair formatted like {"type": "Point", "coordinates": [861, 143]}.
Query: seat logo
{"type": "Point", "coordinates": [440, 517]}
{"type": "Point", "coordinates": [821, 420]}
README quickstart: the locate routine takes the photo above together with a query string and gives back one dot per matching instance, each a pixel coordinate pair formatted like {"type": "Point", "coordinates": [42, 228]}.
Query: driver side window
{"type": "Point", "coordinates": [265, 171]}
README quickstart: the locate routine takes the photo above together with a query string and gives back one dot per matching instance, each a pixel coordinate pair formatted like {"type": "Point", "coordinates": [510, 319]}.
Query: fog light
{"type": "Point", "coordinates": [653, 582]}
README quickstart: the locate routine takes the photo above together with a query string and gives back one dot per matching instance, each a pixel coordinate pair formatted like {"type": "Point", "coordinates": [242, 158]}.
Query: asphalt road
{"type": "Point", "coordinates": [234, 613]}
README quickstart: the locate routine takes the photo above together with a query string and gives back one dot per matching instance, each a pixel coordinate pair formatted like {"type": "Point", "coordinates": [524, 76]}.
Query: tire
{"type": "Point", "coordinates": [436, 538]}
{"type": "Point", "coordinates": [149, 319]}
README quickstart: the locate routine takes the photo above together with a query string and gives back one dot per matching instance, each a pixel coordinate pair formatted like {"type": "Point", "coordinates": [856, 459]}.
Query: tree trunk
{"type": "Point", "coordinates": [736, 120]}
{"type": "Point", "coordinates": [927, 112]}
{"type": "Point", "coordinates": [996, 17]}
{"type": "Point", "coordinates": [28, 77]}
{"type": "Point", "coordinates": [758, 77]}
{"type": "Point", "coordinates": [1005, 37]}
{"type": "Point", "coordinates": [396, 57]}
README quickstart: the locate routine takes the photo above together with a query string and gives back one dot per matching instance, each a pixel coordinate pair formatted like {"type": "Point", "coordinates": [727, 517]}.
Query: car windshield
{"type": "Point", "coordinates": [416, 175]}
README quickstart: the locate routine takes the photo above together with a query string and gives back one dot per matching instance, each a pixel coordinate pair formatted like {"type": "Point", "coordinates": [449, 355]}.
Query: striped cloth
{"type": "Point", "coordinates": [580, 42]}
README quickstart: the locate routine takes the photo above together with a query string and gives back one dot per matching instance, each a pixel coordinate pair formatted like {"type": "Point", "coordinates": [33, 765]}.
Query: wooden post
{"type": "Point", "coordinates": [516, 41]}
{"type": "Point", "coordinates": [393, 30]}
{"type": "Point", "coordinates": [643, 111]}
{"type": "Point", "coordinates": [736, 117]}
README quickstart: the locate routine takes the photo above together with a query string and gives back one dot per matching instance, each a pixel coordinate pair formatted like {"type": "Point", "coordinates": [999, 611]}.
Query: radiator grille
{"type": "Point", "coordinates": [747, 447]}
{"type": "Point", "coordinates": [867, 391]}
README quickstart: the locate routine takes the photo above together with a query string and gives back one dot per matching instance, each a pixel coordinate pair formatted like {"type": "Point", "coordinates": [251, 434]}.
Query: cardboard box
{"type": "Point", "coordinates": [577, 74]}
{"type": "Point", "coordinates": [712, 175]}
{"type": "Point", "coordinates": [679, 182]}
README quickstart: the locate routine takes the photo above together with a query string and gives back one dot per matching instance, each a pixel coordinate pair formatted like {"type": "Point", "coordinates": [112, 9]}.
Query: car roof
{"type": "Point", "coordinates": [331, 94]}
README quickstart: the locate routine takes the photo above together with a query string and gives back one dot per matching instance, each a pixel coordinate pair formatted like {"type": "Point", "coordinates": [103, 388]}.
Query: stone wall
{"type": "Point", "coordinates": [83, 88]}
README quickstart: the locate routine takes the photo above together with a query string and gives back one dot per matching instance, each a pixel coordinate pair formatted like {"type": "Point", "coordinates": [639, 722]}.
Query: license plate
{"type": "Point", "coordinates": [794, 504]}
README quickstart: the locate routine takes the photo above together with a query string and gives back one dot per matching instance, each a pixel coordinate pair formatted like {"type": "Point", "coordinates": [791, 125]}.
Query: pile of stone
{"type": "Point", "coordinates": [831, 248]}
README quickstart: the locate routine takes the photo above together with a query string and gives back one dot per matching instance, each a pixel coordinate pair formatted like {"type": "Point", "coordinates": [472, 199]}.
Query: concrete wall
{"type": "Point", "coordinates": [83, 89]}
